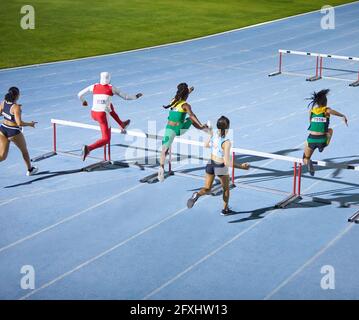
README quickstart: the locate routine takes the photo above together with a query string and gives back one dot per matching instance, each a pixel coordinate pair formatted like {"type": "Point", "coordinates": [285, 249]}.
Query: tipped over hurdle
{"type": "Point", "coordinates": [319, 65]}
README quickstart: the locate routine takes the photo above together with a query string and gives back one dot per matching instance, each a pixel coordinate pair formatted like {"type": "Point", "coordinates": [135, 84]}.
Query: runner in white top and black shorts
{"type": "Point", "coordinates": [220, 146]}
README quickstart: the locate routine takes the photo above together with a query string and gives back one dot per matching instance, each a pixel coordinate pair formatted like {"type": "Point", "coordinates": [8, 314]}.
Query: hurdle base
{"type": "Point", "coordinates": [354, 217]}
{"type": "Point", "coordinates": [274, 74]}
{"type": "Point", "coordinates": [314, 78]}
{"type": "Point", "coordinates": [44, 156]}
{"type": "Point", "coordinates": [293, 198]}
{"type": "Point", "coordinates": [354, 84]}
{"type": "Point", "coordinates": [95, 166]}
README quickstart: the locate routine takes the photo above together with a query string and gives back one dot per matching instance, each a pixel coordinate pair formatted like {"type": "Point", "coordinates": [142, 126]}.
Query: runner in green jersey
{"type": "Point", "coordinates": [319, 132]}
{"type": "Point", "coordinates": [178, 122]}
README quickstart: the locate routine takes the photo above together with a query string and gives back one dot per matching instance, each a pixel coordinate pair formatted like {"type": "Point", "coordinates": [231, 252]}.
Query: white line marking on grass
{"type": "Point", "coordinates": [175, 43]}
{"type": "Point", "coordinates": [30, 236]}
{"type": "Point", "coordinates": [102, 254]}
{"type": "Point", "coordinates": [310, 261]}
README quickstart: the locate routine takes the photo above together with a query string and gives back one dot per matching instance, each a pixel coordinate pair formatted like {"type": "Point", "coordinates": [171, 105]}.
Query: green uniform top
{"type": "Point", "coordinates": [319, 120]}
{"type": "Point", "coordinates": [177, 113]}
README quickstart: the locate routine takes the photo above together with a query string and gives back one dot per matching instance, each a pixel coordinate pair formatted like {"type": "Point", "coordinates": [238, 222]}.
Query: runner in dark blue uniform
{"type": "Point", "coordinates": [11, 128]}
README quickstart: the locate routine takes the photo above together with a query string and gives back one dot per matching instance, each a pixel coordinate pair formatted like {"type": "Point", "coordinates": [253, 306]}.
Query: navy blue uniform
{"type": "Point", "coordinates": [9, 131]}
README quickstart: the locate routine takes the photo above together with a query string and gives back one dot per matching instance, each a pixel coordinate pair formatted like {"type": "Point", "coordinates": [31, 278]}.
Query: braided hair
{"type": "Point", "coordinates": [181, 94]}
{"type": "Point", "coordinates": [223, 125]}
{"type": "Point", "coordinates": [12, 94]}
{"type": "Point", "coordinates": [318, 98]}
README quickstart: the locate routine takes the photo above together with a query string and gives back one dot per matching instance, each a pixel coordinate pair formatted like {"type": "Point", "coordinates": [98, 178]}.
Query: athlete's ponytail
{"type": "Point", "coordinates": [223, 125]}
{"type": "Point", "coordinates": [318, 98]}
{"type": "Point", "coordinates": [12, 94]}
{"type": "Point", "coordinates": [181, 94]}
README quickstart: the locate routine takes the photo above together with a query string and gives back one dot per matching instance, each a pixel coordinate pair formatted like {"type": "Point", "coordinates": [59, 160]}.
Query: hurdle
{"type": "Point", "coordinates": [293, 196]}
{"type": "Point", "coordinates": [319, 65]}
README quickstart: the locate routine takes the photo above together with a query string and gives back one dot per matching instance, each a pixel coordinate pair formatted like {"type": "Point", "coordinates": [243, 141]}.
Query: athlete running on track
{"type": "Point", "coordinates": [220, 146]}
{"type": "Point", "coordinates": [178, 123]}
{"type": "Point", "coordinates": [319, 132]}
{"type": "Point", "coordinates": [11, 128]}
{"type": "Point", "coordinates": [101, 107]}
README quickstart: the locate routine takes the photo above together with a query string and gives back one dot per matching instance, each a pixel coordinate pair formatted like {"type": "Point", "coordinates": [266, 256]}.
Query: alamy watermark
{"type": "Point", "coordinates": [27, 281]}
{"type": "Point", "coordinates": [27, 20]}
{"type": "Point", "coordinates": [328, 280]}
{"type": "Point", "coordinates": [328, 20]}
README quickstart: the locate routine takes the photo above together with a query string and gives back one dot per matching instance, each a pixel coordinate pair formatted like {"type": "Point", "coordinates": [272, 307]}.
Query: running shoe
{"type": "Point", "coordinates": [161, 174]}
{"type": "Point", "coordinates": [125, 125]}
{"type": "Point", "coordinates": [32, 171]}
{"type": "Point", "coordinates": [311, 168]}
{"type": "Point", "coordinates": [192, 200]}
{"type": "Point", "coordinates": [226, 212]}
{"type": "Point", "coordinates": [85, 152]}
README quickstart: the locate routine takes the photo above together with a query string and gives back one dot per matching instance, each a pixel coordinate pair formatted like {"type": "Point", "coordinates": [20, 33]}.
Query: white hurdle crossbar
{"type": "Point", "coordinates": [297, 162]}
{"type": "Point", "coordinates": [319, 64]}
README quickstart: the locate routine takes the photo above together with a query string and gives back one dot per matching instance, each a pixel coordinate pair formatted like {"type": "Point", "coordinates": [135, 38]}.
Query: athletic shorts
{"type": "Point", "coordinates": [173, 131]}
{"type": "Point", "coordinates": [317, 142]}
{"type": "Point", "coordinates": [217, 169]}
{"type": "Point", "coordinates": [8, 131]}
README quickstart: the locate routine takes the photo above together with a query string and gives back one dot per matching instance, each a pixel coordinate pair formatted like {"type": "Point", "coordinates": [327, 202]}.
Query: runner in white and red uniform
{"type": "Point", "coordinates": [101, 107]}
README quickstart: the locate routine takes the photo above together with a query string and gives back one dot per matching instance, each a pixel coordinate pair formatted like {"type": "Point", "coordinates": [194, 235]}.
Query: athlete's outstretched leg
{"type": "Point", "coordinates": [114, 115]}
{"type": "Point", "coordinates": [205, 190]}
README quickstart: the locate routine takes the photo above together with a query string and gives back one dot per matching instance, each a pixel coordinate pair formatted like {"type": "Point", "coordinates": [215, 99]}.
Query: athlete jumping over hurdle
{"type": "Point", "coordinates": [178, 123]}
{"type": "Point", "coordinates": [320, 134]}
{"type": "Point", "coordinates": [220, 146]}
{"type": "Point", "coordinates": [101, 107]}
{"type": "Point", "coordinates": [11, 128]}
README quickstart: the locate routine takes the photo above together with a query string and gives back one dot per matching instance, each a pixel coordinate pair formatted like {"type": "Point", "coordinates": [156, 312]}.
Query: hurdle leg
{"type": "Point", "coordinates": [316, 77]}
{"type": "Point", "coordinates": [279, 67]}
{"type": "Point", "coordinates": [299, 179]}
{"type": "Point", "coordinates": [356, 83]}
{"type": "Point", "coordinates": [295, 196]}
{"type": "Point", "coordinates": [354, 217]}
{"type": "Point", "coordinates": [321, 68]}
{"type": "Point", "coordinates": [295, 178]}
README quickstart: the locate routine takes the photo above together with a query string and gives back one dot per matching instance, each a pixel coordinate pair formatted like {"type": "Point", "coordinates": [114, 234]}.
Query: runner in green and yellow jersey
{"type": "Point", "coordinates": [180, 119]}
{"type": "Point", "coordinates": [319, 132]}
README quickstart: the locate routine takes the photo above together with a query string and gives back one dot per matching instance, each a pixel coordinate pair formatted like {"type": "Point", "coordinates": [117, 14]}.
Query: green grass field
{"type": "Point", "coordinates": [67, 29]}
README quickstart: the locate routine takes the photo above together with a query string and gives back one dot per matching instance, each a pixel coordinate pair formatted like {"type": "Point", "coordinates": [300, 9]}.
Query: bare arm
{"type": "Point", "coordinates": [227, 157]}
{"type": "Point", "coordinates": [16, 109]}
{"type": "Point", "coordinates": [338, 114]}
{"type": "Point", "coordinates": [124, 95]}
{"type": "Point", "coordinates": [193, 117]}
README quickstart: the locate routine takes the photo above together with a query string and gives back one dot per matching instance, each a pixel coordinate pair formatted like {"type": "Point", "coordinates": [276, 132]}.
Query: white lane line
{"type": "Point", "coordinates": [212, 253]}
{"type": "Point", "coordinates": [310, 261]}
{"type": "Point", "coordinates": [64, 275]}
{"type": "Point", "coordinates": [30, 236]}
